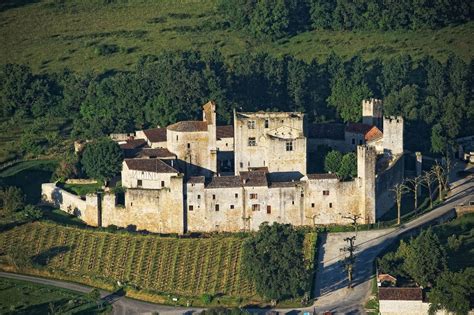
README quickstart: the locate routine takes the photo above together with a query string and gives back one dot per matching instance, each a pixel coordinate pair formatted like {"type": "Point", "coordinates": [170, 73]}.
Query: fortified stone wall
{"type": "Point", "coordinates": [86, 210]}
{"type": "Point", "coordinates": [386, 181]}
{"type": "Point", "coordinates": [328, 200]}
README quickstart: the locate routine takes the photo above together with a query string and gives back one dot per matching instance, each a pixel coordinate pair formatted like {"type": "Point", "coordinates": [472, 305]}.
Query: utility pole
{"type": "Point", "coordinates": [349, 261]}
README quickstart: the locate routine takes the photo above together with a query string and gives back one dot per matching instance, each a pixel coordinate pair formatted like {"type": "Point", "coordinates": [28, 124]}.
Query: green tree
{"type": "Point", "coordinates": [425, 259]}
{"type": "Point", "coordinates": [348, 167]}
{"type": "Point", "coordinates": [332, 162]}
{"type": "Point", "coordinates": [31, 213]}
{"type": "Point", "coordinates": [274, 260]}
{"type": "Point", "coordinates": [11, 200]}
{"type": "Point", "coordinates": [453, 292]}
{"type": "Point", "coordinates": [438, 139]}
{"type": "Point", "coordinates": [271, 19]}
{"type": "Point", "coordinates": [102, 159]}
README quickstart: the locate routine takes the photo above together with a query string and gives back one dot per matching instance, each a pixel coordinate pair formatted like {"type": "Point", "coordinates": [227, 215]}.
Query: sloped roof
{"type": "Point", "coordinates": [225, 182]}
{"type": "Point", "coordinates": [224, 132]}
{"type": "Point", "coordinates": [373, 134]}
{"type": "Point", "coordinates": [155, 134]}
{"type": "Point", "coordinates": [157, 152]}
{"type": "Point", "coordinates": [400, 294]}
{"type": "Point", "coordinates": [358, 128]}
{"type": "Point", "coordinates": [132, 144]}
{"type": "Point", "coordinates": [322, 176]}
{"type": "Point", "coordinates": [149, 165]}
{"type": "Point", "coordinates": [188, 126]}
{"type": "Point", "coordinates": [332, 131]}
{"type": "Point", "coordinates": [254, 178]}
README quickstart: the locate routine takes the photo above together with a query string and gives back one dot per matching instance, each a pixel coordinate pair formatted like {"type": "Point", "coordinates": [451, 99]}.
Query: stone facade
{"type": "Point", "coordinates": [273, 140]}
{"type": "Point", "coordinates": [197, 176]}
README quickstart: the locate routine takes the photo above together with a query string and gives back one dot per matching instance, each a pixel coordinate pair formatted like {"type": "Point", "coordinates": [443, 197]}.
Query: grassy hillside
{"type": "Point", "coordinates": [51, 34]}
{"type": "Point", "coordinates": [187, 267]}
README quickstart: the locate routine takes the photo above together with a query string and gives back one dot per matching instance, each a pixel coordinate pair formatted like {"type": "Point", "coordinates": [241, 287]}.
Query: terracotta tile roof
{"type": "Point", "coordinates": [149, 165]}
{"type": "Point", "coordinates": [188, 126]}
{"type": "Point", "coordinates": [133, 144]}
{"type": "Point", "coordinates": [326, 131]}
{"type": "Point", "coordinates": [322, 176]}
{"type": "Point", "coordinates": [157, 152]}
{"type": "Point", "coordinates": [155, 134]}
{"type": "Point", "coordinates": [358, 128]}
{"type": "Point", "coordinates": [401, 294]}
{"type": "Point", "coordinates": [225, 181]}
{"type": "Point", "coordinates": [373, 134]}
{"type": "Point", "coordinates": [196, 180]}
{"type": "Point", "coordinates": [254, 178]}
{"type": "Point", "coordinates": [224, 132]}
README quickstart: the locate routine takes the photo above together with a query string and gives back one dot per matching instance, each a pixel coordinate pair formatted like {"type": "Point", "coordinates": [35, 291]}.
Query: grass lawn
{"type": "Point", "coordinates": [22, 297]}
{"type": "Point", "coordinates": [82, 189]}
{"type": "Point", "coordinates": [28, 175]}
{"type": "Point", "coordinates": [52, 35]}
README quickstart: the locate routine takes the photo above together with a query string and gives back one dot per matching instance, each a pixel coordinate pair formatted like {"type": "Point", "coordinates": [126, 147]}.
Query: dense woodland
{"type": "Point", "coordinates": [279, 18]}
{"type": "Point", "coordinates": [435, 98]}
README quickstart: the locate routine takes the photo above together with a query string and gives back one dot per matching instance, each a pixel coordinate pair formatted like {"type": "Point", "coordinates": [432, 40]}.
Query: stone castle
{"type": "Point", "coordinates": [196, 176]}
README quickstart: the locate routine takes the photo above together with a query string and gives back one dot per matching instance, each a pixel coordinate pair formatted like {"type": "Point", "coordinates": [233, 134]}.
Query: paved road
{"type": "Point", "coordinates": [121, 305]}
{"type": "Point", "coordinates": [330, 287]}
{"type": "Point", "coordinates": [331, 284]}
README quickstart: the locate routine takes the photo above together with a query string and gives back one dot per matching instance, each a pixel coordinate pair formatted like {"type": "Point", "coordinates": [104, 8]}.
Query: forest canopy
{"type": "Point", "coordinates": [435, 98]}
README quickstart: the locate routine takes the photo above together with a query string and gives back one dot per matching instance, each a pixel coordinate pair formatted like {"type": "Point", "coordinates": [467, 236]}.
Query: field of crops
{"type": "Point", "coordinates": [187, 267]}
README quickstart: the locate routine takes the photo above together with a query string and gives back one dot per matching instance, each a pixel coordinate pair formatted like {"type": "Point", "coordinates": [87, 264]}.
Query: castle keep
{"type": "Point", "coordinates": [195, 176]}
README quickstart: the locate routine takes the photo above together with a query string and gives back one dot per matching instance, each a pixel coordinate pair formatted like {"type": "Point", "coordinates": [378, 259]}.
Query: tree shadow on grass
{"type": "Point", "coordinates": [11, 4]}
{"type": "Point", "coordinates": [43, 258]}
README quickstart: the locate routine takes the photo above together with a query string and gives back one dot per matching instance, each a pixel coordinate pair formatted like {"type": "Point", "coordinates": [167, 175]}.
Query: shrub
{"type": "Point", "coordinates": [206, 298]}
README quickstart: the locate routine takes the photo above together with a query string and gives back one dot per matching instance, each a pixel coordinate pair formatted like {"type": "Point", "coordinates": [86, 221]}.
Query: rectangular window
{"type": "Point", "coordinates": [325, 192]}
{"type": "Point", "coordinates": [236, 195]}
{"type": "Point", "coordinates": [289, 145]}
{"type": "Point", "coordinates": [252, 142]}
{"type": "Point", "coordinates": [266, 123]}
{"type": "Point", "coordinates": [256, 207]}
{"type": "Point", "coordinates": [353, 141]}
{"type": "Point", "coordinates": [312, 205]}
{"type": "Point", "coordinates": [139, 183]}
{"type": "Point", "coordinates": [199, 196]}
{"type": "Point", "coordinates": [189, 145]}
{"type": "Point", "coordinates": [241, 164]}
{"type": "Point", "coordinates": [330, 205]}
{"type": "Point", "coordinates": [302, 195]}
{"type": "Point", "coordinates": [253, 196]}
{"type": "Point", "coordinates": [191, 208]}
{"type": "Point", "coordinates": [213, 197]}
{"type": "Point", "coordinates": [251, 124]}
{"type": "Point", "coordinates": [162, 183]}
{"type": "Point", "coordinates": [217, 207]}
{"type": "Point", "coordinates": [231, 206]}
{"type": "Point", "coordinates": [269, 209]}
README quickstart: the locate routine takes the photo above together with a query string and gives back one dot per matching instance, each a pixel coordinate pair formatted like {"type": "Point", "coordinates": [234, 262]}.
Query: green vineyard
{"type": "Point", "coordinates": [187, 267]}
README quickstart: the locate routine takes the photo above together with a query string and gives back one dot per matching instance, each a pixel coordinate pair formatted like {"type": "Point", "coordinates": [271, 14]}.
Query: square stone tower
{"type": "Point", "coordinates": [366, 163]}
{"type": "Point", "coordinates": [372, 112]}
{"type": "Point", "coordinates": [393, 135]}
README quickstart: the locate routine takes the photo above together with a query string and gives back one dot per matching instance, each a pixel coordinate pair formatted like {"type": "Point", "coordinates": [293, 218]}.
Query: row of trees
{"type": "Point", "coordinates": [435, 98]}
{"type": "Point", "coordinates": [279, 18]}
{"type": "Point", "coordinates": [437, 174]}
